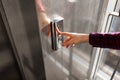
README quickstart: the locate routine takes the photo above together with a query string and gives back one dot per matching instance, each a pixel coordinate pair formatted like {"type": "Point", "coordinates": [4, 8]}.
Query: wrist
{"type": "Point", "coordinates": [43, 16]}
{"type": "Point", "coordinates": [43, 19]}
{"type": "Point", "coordinates": [85, 38]}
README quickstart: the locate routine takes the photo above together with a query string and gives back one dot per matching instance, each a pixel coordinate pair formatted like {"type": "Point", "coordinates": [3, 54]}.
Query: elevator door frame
{"type": "Point", "coordinates": [105, 25]}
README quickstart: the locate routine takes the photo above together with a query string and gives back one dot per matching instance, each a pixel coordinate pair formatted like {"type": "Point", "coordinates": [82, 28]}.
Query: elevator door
{"type": "Point", "coordinates": [82, 16]}
{"type": "Point", "coordinates": [20, 36]}
{"type": "Point", "coordinates": [9, 69]}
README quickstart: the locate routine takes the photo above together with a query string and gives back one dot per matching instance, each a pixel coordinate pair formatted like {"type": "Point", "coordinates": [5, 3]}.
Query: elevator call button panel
{"type": "Point", "coordinates": [56, 39]}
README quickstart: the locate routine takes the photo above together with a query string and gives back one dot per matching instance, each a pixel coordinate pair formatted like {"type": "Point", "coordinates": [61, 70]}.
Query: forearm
{"type": "Point", "coordinates": [41, 10]}
{"type": "Point", "coordinates": [42, 16]}
{"type": "Point", "coordinates": [40, 6]}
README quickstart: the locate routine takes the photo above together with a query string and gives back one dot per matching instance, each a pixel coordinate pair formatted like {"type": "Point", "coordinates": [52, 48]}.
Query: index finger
{"type": "Point", "coordinates": [65, 33]}
{"type": "Point", "coordinates": [58, 30]}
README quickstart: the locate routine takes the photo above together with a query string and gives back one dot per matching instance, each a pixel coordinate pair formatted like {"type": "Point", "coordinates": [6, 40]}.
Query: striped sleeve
{"type": "Point", "coordinates": [105, 40]}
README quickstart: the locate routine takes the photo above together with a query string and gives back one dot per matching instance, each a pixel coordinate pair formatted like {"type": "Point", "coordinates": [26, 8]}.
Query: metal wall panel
{"type": "Point", "coordinates": [8, 64]}
{"type": "Point", "coordinates": [79, 16]}
{"type": "Point", "coordinates": [23, 31]}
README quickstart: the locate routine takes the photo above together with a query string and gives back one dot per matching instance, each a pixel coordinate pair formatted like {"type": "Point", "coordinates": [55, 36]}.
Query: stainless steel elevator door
{"type": "Point", "coordinates": [20, 20]}
{"type": "Point", "coordinates": [79, 16]}
{"type": "Point", "coordinates": [9, 69]}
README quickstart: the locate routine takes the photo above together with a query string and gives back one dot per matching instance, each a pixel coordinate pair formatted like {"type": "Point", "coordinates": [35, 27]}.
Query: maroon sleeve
{"type": "Point", "coordinates": [105, 40]}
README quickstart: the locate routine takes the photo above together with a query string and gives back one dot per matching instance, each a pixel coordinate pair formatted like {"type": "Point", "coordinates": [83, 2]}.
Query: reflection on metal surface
{"type": "Point", "coordinates": [77, 18]}
{"type": "Point", "coordinates": [72, 0]}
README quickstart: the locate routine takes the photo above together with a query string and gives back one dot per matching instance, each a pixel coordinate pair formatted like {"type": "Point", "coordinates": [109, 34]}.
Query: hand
{"type": "Point", "coordinates": [44, 23]}
{"type": "Point", "coordinates": [74, 38]}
